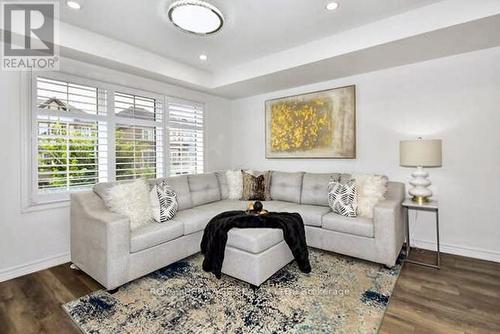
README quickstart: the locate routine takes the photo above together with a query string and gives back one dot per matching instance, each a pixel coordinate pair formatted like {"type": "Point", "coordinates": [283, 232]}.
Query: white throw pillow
{"type": "Point", "coordinates": [234, 184]}
{"type": "Point", "coordinates": [371, 190]}
{"type": "Point", "coordinates": [163, 202]}
{"type": "Point", "coordinates": [342, 197]}
{"type": "Point", "coordinates": [132, 200]}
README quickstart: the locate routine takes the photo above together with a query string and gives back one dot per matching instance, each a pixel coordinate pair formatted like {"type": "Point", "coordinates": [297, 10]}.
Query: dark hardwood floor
{"type": "Point", "coordinates": [462, 297]}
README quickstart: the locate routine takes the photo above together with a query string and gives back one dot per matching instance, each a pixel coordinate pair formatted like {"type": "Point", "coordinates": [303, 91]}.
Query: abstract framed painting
{"type": "Point", "coordinates": [318, 125]}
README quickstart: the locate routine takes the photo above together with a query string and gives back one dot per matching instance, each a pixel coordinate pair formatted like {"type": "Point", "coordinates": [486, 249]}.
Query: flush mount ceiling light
{"type": "Point", "coordinates": [332, 6]}
{"type": "Point", "coordinates": [195, 16]}
{"type": "Point", "coordinates": [73, 4]}
{"type": "Point", "coordinates": [203, 57]}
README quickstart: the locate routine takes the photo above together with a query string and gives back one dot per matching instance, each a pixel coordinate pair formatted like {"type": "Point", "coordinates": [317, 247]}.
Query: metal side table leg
{"type": "Point", "coordinates": [438, 259]}
{"type": "Point", "coordinates": [408, 246]}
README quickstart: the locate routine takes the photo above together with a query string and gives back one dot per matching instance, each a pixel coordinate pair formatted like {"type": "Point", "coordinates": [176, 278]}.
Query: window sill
{"type": "Point", "coordinates": [44, 206]}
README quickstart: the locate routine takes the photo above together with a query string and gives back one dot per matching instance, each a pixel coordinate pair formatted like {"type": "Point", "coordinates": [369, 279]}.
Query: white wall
{"type": "Point", "coordinates": [456, 99]}
{"type": "Point", "coordinates": [36, 240]}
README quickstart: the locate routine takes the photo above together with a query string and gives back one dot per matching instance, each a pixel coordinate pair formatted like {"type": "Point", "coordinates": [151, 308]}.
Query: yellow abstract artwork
{"type": "Point", "coordinates": [314, 125]}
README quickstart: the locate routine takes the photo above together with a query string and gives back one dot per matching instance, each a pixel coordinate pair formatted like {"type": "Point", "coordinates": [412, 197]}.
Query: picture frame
{"type": "Point", "coordinates": [314, 125]}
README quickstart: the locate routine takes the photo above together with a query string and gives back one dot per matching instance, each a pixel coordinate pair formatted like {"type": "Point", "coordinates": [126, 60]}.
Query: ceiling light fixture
{"type": "Point", "coordinates": [203, 57]}
{"type": "Point", "coordinates": [332, 6]}
{"type": "Point", "coordinates": [195, 16]}
{"type": "Point", "coordinates": [73, 4]}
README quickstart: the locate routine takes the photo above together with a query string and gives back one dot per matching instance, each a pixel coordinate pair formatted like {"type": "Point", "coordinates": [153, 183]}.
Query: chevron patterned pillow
{"type": "Point", "coordinates": [163, 202]}
{"type": "Point", "coordinates": [342, 197]}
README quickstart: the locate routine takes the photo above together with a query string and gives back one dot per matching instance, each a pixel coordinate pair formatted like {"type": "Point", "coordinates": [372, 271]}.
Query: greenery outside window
{"type": "Point", "coordinates": [85, 132]}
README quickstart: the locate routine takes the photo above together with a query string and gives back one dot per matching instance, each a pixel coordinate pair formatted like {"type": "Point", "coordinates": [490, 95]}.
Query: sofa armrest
{"type": "Point", "coordinates": [100, 240]}
{"type": "Point", "coordinates": [389, 221]}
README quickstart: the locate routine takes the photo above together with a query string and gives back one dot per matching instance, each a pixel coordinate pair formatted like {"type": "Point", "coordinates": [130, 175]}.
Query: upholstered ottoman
{"type": "Point", "coordinates": [255, 254]}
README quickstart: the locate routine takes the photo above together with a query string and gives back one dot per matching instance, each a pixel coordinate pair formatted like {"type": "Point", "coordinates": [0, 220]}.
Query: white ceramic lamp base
{"type": "Point", "coordinates": [420, 192]}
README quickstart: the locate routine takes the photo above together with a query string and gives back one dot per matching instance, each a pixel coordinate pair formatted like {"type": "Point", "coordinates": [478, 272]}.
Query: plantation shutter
{"type": "Point", "coordinates": [71, 136]}
{"type": "Point", "coordinates": [84, 132]}
{"type": "Point", "coordinates": [139, 148]}
{"type": "Point", "coordinates": [186, 133]}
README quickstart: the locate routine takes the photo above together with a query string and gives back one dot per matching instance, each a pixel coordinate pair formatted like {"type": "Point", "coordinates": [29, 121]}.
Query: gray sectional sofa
{"type": "Point", "coordinates": [103, 246]}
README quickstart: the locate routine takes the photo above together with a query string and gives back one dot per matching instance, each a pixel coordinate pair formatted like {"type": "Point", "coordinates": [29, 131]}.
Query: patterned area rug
{"type": "Point", "coordinates": [340, 295]}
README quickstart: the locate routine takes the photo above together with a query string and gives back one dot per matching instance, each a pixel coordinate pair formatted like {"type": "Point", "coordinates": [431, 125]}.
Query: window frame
{"type": "Point", "coordinates": [36, 197]}
{"type": "Point", "coordinates": [31, 198]}
{"type": "Point", "coordinates": [203, 106]}
{"type": "Point", "coordinates": [129, 121]}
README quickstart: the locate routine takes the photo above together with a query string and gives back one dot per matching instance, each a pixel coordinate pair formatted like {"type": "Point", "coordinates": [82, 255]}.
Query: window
{"type": "Point", "coordinates": [80, 138]}
{"type": "Point", "coordinates": [84, 132]}
{"type": "Point", "coordinates": [185, 128]}
{"type": "Point", "coordinates": [71, 142]}
{"type": "Point", "coordinates": [138, 137]}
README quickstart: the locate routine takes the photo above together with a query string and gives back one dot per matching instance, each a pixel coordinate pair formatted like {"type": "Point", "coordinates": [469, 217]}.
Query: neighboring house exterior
{"type": "Point", "coordinates": [67, 149]}
{"type": "Point", "coordinates": [136, 145]}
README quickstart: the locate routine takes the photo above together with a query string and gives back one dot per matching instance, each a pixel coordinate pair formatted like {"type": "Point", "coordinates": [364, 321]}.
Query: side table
{"type": "Point", "coordinates": [432, 205]}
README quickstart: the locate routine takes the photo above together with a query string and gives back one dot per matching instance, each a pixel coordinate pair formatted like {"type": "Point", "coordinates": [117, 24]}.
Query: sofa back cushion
{"type": "Point", "coordinates": [204, 188]}
{"type": "Point", "coordinates": [315, 187]}
{"type": "Point", "coordinates": [221, 178]}
{"type": "Point", "coordinates": [286, 186]}
{"type": "Point", "coordinates": [180, 185]}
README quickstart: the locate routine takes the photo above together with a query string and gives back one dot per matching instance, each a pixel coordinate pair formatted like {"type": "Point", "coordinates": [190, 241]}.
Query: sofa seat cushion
{"type": "Point", "coordinates": [311, 214]}
{"type": "Point", "coordinates": [225, 205]}
{"type": "Point", "coordinates": [153, 234]}
{"type": "Point", "coordinates": [196, 219]}
{"type": "Point", "coordinates": [275, 206]}
{"type": "Point", "coordinates": [254, 240]}
{"type": "Point", "coordinates": [360, 226]}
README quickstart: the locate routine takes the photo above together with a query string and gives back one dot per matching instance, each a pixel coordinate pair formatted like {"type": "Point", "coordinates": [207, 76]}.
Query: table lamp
{"type": "Point", "coordinates": [420, 153]}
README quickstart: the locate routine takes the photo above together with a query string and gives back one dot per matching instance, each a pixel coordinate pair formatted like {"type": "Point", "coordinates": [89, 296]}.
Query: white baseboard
{"type": "Point", "coordinates": [31, 267]}
{"type": "Point", "coordinates": [476, 253]}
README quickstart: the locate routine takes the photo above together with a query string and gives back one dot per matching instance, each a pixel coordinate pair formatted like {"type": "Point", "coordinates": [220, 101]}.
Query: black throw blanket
{"type": "Point", "coordinates": [214, 239]}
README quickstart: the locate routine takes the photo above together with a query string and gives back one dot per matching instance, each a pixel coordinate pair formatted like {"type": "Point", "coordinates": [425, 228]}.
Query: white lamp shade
{"type": "Point", "coordinates": [420, 153]}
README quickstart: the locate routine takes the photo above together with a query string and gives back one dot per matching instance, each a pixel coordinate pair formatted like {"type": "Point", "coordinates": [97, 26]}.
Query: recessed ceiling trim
{"type": "Point", "coordinates": [195, 17]}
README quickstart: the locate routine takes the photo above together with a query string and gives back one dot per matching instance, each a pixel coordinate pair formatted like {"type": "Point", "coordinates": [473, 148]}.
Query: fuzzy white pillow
{"type": "Point", "coordinates": [371, 190]}
{"type": "Point", "coordinates": [132, 200]}
{"type": "Point", "coordinates": [234, 184]}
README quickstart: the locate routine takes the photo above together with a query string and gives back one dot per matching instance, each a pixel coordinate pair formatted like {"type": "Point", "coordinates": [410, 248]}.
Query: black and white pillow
{"type": "Point", "coordinates": [342, 197]}
{"type": "Point", "coordinates": [163, 202]}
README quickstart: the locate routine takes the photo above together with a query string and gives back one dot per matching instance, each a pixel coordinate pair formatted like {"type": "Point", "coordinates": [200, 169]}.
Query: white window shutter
{"type": "Point", "coordinates": [85, 132]}
{"type": "Point", "coordinates": [71, 136]}
{"type": "Point", "coordinates": [186, 137]}
{"type": "Point", "coordinates": [139, 148]}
